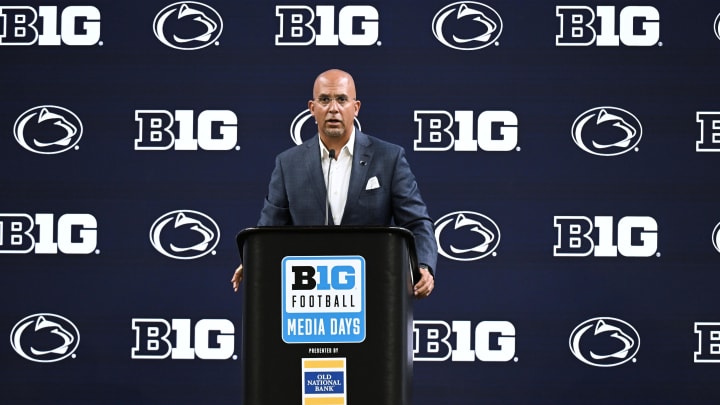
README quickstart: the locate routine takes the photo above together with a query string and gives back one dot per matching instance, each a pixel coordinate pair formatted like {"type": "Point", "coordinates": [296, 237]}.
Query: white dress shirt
{"type": "Point", "coordinates": [338, 182]}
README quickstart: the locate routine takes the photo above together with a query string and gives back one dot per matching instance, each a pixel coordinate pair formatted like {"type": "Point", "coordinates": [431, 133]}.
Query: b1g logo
{"type": "Point", "coordinates": [439, 341]}
{"type": "Point", "coordinates": [604, 342]}
{"type": "Point", "coordinates": [632, 26]}
{"type": "Point", "coordinates": [299, 131]}
{"type": "Point", "coordinates": [467, 26]}
{"type": "Point", "coordinates": [323, 299]}
{"type": "Point", "coordinates": [708, 347]}
{"type": "Point", "coordinates": [45, 338]}
{"type": "Point", "coordinates": [188, 25]}
{"type": "Point", "coordinates": [579, 236]}
{"type": "Point", "coordinates": [48, 130]}
{"type": "Point", "coordinates": [43, 234]}
{"type": "Point", "coordinates": [157, 339]}
{"type": "Point", "coordinates": [709, 131]}
{"type": "Point", "coordinates": [492, 131]}
{"type": "Point", "coordinates": [163, 130]}
{"type": "Point", "coordinates": [466, 236]}
{"type": "Point", "coordinates": [184, 234]}
{"type": "Point", "coordinates": [303, 26]}
{"type": "Point", "coordinates": [607, 131]}
{"type": "Point", "coordinates": [50, 25]}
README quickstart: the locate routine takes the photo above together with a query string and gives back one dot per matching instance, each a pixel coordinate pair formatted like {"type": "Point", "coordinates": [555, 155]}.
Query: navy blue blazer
{"type": "Point", "coordinates": [297, 193]}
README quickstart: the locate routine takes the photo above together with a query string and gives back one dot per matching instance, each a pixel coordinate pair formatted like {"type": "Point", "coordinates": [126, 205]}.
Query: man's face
{"type": "Point", "coordinates": [334, 106]}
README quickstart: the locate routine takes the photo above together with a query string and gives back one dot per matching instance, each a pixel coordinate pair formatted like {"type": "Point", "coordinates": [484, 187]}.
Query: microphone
{"type": "Point", "coordinates": [331, 154]}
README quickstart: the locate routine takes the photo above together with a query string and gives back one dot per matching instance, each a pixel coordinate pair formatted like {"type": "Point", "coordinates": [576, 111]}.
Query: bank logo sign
{"type": "Point", "coordinates": [323, 299]}
{"type": "Point", "coordinates": [324, 381]}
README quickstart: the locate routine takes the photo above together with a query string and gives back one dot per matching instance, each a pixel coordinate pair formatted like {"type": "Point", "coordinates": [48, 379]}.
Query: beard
{"type": "Point", "coordinates": [334, 132]}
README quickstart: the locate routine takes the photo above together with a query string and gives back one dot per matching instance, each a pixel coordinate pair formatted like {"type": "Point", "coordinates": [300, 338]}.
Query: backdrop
{"type": "Point", "coordinates": [566, 150]}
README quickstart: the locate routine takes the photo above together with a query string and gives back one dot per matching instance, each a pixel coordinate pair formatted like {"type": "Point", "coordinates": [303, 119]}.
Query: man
{"type": "Point", "coordinates": [370, 182]}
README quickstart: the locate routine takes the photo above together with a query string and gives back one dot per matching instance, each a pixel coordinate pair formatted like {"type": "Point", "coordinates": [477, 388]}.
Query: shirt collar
{"type": "Point", "coordinates": [349, 146]}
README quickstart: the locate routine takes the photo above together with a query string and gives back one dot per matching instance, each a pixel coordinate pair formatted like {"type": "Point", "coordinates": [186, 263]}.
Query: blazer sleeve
{"type": "Point", "coordinates": [410, 212]}
{"type": "Point", "coordinates": [276, 211]}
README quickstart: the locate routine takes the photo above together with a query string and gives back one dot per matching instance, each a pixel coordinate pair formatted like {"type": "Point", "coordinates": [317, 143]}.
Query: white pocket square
{"type": "Point", "coordinates": [373, 183]}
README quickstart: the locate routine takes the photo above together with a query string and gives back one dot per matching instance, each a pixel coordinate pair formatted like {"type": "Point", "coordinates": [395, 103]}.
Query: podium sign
{"type": "Point", "coordinates": [327, 315]}
{"type": "Point", "coordinates": [323, 299]}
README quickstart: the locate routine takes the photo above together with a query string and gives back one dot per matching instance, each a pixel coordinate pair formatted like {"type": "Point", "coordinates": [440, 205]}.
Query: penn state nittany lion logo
{"type": "Point", "coordinates": [607, 131]}
{"type": "Point", "coordinates": [48, 129]}
{"type": "Point", "coordinates": [466, 235]}
{"type": "Point", "coordinates": [467, 26]}
{"type": "Point", "coordinates": [299, 132]}
{"type": "Point", "coordinates": [604, 342]}
{"type": "Point", "coordinates": [188, 25]}
{"type": "Point", "coordinates": [45, 338]}
{"type": "Point", "coordinates": [184, 234]}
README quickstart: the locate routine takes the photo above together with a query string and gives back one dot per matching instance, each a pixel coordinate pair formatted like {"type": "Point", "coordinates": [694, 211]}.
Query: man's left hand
{"type": "Point", "coordinates": [425, 285]}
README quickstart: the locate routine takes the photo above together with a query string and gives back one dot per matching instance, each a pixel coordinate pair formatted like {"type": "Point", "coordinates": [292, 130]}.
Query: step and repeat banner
{"type": "Point", "coordinates": [568, 151]}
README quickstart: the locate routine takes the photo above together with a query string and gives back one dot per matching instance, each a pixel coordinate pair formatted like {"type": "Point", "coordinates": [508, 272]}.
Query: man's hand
{"type": "Point", "coordinates": [425, 285]}
{"type": "Point", "coordinates": [237, 278]}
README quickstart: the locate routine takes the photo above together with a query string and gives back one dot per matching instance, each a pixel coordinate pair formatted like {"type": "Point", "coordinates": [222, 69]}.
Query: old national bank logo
{"type": "Point", "coordinates": [324, 381]}
{"type": "Point", "coordinates": [188, 25]}
{"type": "Point", "coordinates": [49, 26]}
{"type": "Point", "coordinates": [300, 130]}
{"type": "Point", "coordinates": [45, 338]}
{"type": "Point", "coordinates": [604, 342]}
{"type": "Point", "coordinates": [466, 236]}
{"type": "Point", "coordinates": [185, 234]}
{"type": "Point", "coordinates": [323, 299]}
{"type": "Point", "coordinates": [48, 130]}
{"type": "Point", "coordinates": [467, 26]}
{"type": "Point", "coordinates": [607, 131]}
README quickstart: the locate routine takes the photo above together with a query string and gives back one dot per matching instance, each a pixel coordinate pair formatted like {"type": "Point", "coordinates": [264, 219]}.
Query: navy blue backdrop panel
{"type": "Point", "coordinates": [567, 152]}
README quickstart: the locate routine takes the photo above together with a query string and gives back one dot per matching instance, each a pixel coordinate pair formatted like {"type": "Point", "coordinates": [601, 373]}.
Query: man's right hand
{"type": "Point", "coordinates": [237, 277]}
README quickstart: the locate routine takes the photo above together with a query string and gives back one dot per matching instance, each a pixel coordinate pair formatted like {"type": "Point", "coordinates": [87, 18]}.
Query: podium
{"type": "Point", "coordinates": [327, 315]}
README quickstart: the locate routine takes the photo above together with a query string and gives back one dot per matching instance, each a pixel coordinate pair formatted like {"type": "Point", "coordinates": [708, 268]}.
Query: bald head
{"type": "Point", "coordinates": [334, 78]}
{"type": "Point", "coordinates": [334, 107]}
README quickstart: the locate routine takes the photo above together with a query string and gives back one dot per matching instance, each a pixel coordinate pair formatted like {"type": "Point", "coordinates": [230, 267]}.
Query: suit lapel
{"type": "Point", "coordinates": [362, 158]}
{"type": "Point", "coordinates": [313, 165]}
